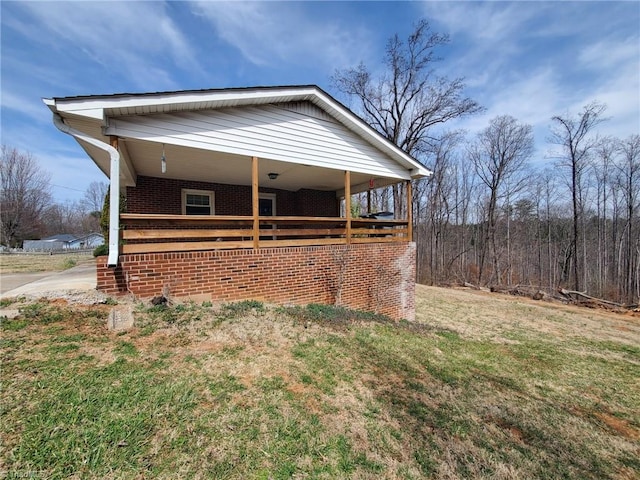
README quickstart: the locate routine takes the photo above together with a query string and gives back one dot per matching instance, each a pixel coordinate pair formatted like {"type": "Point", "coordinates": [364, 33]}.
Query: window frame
{"type": "Point", "coordinates": [208, 193]}
{"type": "Point", "coordinates": [269, 196]}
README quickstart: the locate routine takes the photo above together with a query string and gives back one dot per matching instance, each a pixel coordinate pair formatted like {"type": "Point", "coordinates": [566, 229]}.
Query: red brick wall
{"type": "Point", "coordinates": [164, 196]}
{"type": "Point", "coordinates": [372, 277]}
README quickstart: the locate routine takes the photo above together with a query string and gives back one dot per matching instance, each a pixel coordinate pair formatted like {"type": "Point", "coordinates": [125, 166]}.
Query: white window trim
{"type": "Point", "coordinates": [271, 196]}
{"type": "Point", "coordinates": [209, 193]}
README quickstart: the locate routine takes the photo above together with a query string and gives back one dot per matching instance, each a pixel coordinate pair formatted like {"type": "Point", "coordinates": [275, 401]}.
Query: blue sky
{"type": "Point", "coordinates": [531, 60]}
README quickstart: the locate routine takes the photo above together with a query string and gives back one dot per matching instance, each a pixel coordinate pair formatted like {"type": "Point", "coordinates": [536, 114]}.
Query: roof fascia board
{"type": "Point", "coordinates": [81, 104]}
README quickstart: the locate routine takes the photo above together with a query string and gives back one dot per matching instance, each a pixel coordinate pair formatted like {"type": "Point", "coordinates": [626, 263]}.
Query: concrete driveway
{"type": "Point", "coordinates": [81, 277]}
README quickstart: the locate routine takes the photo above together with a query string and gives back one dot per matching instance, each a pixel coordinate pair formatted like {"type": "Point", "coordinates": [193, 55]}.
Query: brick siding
{"type": "Point", "coordinates": [371, 277]}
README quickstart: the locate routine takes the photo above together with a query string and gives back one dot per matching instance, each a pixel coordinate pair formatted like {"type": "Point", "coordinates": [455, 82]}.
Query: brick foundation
{"type": "Point", "coordinates": [373, 277]}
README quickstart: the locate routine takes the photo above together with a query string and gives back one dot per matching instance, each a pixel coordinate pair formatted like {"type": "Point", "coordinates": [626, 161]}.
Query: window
{"type": "Point", "coordinates": [267, 204]}
{"type": "Point", "coordinates": [197, 202]}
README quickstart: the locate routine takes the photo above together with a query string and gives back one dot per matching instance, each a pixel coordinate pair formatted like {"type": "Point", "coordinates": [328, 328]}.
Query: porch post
{"type": "Point", "coordinates": [255, 202]}
{"type": "Point", "coordinates": [347, 203]}
{"type": "Point", "coordinates": [409, 211]}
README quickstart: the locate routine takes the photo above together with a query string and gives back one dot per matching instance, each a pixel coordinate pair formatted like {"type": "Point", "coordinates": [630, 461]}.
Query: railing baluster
{"type": "Point", "coordinates": [154, 233]}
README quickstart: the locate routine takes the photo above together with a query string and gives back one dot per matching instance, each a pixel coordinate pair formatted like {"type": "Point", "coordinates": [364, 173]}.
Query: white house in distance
{"type": "Point", "coordinates": [63, 242]}
{"type": "Point", "coordinates": [244, 193]}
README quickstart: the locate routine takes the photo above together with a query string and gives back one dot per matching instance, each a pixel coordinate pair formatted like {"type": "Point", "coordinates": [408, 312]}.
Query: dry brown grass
{"type": "Point", "coordinates": [482, 315]}
{"type": "Point", "coordinates": [27, 263]}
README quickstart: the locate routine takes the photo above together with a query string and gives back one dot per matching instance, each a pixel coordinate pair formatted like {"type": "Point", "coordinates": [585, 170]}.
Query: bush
{"type": "Point", "coordinates": [104, 217]}
{"type": "Point", "coordinates": [69, 263]}
{"type": "Point", "coordinates": [101, 250]}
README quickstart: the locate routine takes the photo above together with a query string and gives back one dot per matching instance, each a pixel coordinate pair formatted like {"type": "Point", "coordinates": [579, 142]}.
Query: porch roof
{"type": "Point", "coordinates": [306, 143]}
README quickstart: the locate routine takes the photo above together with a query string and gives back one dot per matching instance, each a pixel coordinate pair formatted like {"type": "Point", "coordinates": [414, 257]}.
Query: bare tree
{"type": "Point", "coordinates": [571, 133]}
{"type": "Point", "coordinates": [606, 152]}
{"type": "Point", "coordinates": [92, 204]}
{"type": "Point", "coordinates": [439, 196]}
{"type": "Point", "coordinates": [93, 199]}
{"type": "Point", "coordinates": [629, 180]}
{"type": "Point", "coordinates": [405, 102]}
{"type": "Point", "coordinates": [67, 217]}
{"type": "Point", "coordinates": [24, 196]}
{"type": "Point", "coordinates": [500, 155]}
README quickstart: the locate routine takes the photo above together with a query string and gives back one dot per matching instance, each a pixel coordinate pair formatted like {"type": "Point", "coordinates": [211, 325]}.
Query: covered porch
{"type": "Point", "coordinates": [247, 193]}
{"type": "Point", "coordinates": [263, 203]}
{"type": "Point", "coordinates": [144, 230]}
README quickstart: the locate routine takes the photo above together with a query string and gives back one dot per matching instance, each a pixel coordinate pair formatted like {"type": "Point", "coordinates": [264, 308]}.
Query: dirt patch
{"type": "Point", "coordinates": [75, 297]}
{"type": "Point", "coordinates": [619, 425]}
{"type": "Point", "coordinates": [513, 431]}
{"type": "Point", "coordinates": [627, 473]}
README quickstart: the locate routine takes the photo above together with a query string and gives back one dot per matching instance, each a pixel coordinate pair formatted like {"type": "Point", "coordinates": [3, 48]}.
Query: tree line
{"type": "Point", "coordinates": [488, 216]}
{"type": "Point", "coordinates": [485, 218]}
{"type": "Point", "coordinates": [27, 209]}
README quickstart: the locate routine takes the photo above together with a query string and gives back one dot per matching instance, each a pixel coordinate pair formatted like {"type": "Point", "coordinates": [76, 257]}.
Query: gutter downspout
{"type": "Point", "coordinates": [114, 188]}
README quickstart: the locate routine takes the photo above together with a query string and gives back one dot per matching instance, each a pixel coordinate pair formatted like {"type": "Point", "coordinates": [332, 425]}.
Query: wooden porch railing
{"type": "Point", "coordinates": [150, 233]}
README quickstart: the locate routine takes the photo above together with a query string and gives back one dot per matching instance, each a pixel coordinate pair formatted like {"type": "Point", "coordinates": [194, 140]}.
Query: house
{"type": "Point", "coordinates": [245, 193]}
{"type": "Point", "coordinates": [92, 240]}
{"type": "Point", "coordinates": [64, 241]}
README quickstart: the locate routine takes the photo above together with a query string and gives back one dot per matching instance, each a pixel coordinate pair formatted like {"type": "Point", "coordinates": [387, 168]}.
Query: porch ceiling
{"type": "Point", "coordinates": [217, 167]}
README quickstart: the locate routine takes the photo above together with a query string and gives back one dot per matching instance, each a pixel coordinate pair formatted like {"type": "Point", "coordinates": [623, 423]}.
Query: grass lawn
{"type": "Point", "coordinates": [480, 386]}
{"type": "Point", "coordinates": [28, 263]}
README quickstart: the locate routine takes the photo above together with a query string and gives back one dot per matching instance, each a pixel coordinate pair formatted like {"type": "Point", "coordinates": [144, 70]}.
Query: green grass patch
{"type": "Point", "coordinates": [331, 314]}
{"type": "Point", "coordinates": [13, 325]}
{"type": "Point", "coordinates": [238, 309]}
{"type": "Point", "coordinates": [126, 349]}
{"type": "Point", "coordinates": [68, 263]}
{"type": "Point", "coordinates": [5, 302]}
{"type": "Point", "coordinates": [94, 423]}
{"type": "Point", "coordinates": [64, 348]}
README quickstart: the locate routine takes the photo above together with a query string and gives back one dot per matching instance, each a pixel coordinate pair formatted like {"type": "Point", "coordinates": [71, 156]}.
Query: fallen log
{"type": "Point", "coordinates": [568, 293]}
{"type": "Point", "coordinates": [538, 295]}
{"type": "Point", "coordinates": [519, 290]}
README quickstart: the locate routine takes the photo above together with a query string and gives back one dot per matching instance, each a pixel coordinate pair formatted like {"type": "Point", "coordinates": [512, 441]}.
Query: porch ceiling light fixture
{"type": "Point", "coordinates": [163, 161]}
{"type": "Point", "coordinates": [273, 175]}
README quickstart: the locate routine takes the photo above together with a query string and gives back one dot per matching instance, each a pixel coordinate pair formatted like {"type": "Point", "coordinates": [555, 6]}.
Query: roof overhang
{"type": "Point", "coordinates": [91, 114]}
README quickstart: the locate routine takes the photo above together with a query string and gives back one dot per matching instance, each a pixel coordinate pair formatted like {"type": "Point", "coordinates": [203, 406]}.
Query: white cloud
{"type": "Point", "coordinates": [621, 94]}
{"type": "Point", "coordinates": [488, 23]}
{"type": "Point", "coordinates": [32, 107]}
{"type": "Point", "coordinates": [484, 37]}
{"type": "Point", "coordinates": [531, 99]}
{"type": "Point", "coordinates": [270, 32]}
{"type": "Point", "coordinates": [536, 97]}
{"type": "Point", "coordinates": [124, 37]}
{"type": "Point", "coordinates": [533, 60]}
{"type": "Point", "coordinates": [615, 64]}
{"type": "Point", "coordinates": [609, 54]}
